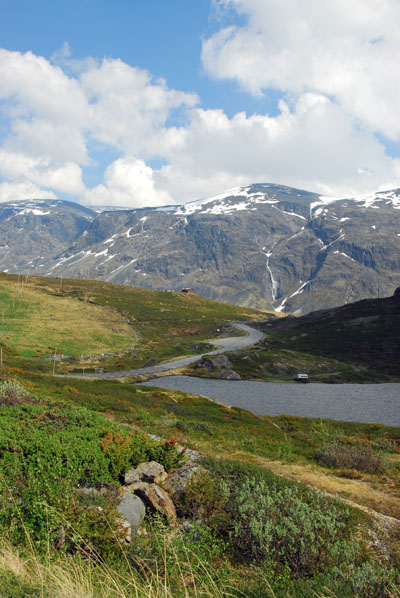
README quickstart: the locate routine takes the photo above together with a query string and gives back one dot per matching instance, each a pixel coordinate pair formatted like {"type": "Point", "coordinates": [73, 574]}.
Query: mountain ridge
{"type": "Point", "coordinates": [261, 245]}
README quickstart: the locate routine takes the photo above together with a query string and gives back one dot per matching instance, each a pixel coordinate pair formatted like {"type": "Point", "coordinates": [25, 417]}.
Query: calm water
{"type": "Point", "coordinates": [371, 403]}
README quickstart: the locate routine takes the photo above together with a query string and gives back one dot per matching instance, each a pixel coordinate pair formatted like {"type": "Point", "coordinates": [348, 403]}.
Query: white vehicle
{"type": "Point", "coordinates": [300, 378]}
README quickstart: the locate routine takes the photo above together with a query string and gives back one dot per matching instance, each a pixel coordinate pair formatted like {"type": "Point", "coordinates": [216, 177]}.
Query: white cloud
{"type": "Point", "coordinates": [314, 146]}
{"type": "Point", "coordinates": [348, 51]}
{"type": "Point", "coordinates": [26, 190]}
{"type": "Point", "coordinates": [20, 168]}
{"type": "Point", "coordinates": [322, 139]}
{"type": "Point", "coordinates": [127, 182]}
{"type": "Point", "coordinates": [127, 109]}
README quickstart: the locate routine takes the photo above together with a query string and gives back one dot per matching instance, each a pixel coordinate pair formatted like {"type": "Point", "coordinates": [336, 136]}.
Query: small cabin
{"type": "Point", "coordinates": [300, 378]}
{"type": "Point", "coordinates": [188, 291]}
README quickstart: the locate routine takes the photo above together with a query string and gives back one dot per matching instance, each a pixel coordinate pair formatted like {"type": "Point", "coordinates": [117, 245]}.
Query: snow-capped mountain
{"type": "Point", "coordinates": [261, 245]}
{"type": "Point", "coordinates": [32, 231]}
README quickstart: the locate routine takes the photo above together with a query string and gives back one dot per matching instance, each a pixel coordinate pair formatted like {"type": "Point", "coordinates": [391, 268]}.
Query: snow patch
{"type": "Point", "coordinates": [297, 292]}
{"type": "Point", "coordinates": [101, 252]}
{"type": "Point", "coordinates": [217, 204]}
{"type": "Point", "coordinates": [35, 211]}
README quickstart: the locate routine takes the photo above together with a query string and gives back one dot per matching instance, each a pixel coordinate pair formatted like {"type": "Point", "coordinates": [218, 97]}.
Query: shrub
{"type": "Point", "coordinates": [338, 454]}
{"type": "Point", "coordinates": [13, 393]}
{"type": "Point", "coordinates": [370, 581]}
{"type": "Point", "coordinates": [280, 525]}
{"type": "Point", "coordinates": [284, 529]}
{"type": "Point", "coordinates": [48, 449]}
{"type": "Point", "coordinates": [201, 498]}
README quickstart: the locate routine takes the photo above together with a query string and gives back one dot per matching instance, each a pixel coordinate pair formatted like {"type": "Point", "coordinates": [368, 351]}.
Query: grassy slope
{"type": "Point", "coordinates": [80, 317]}
{"type": "Point", "coordinates": [285, 442]}
{"type": "Point", "coordinates": [34, 324]}
{"type": "Point", "coordinates": [282, 444]}
{"type": "Point", "coordinates": [159, 317]}
{"type": "Point", "coordinates": [364, 334]}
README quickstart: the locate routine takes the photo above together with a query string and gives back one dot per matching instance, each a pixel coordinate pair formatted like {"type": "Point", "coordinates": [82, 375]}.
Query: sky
{"type": "Point", "coordinates": [151, 102]}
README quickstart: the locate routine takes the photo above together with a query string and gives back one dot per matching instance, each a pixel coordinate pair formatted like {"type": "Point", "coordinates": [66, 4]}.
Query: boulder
{"type": "Point", "coordinates": [151, 472]}
{"type": "Point", "coordinates": [131, 509]}
{"type": "Point", "coordinates": [229, 375]}
{"type": "Point", "coordinates": [178, 480]}
{"type": "Point", "coordinates": [220, 362]}
{"type": "Point", "coordinates": [156, 498]}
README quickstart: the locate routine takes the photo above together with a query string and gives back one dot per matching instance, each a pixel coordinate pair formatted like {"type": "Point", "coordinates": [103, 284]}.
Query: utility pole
{"type": "Point", "coordinates": [54, 361]}
{"type": "Point", "coordinates": [1, 356]}
{"type": "Point", "coordinates": [83, 363]}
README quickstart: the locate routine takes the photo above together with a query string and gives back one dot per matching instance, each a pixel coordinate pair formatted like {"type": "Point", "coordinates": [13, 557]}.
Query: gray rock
{"type": "Point", "coordinates": [230, 375]}
{"type": "Point", "coordinates": [132, 510]}
{"type": "Point", "coordinates": [178, 480]}
{"type": "Point", "coordinates": [220, 362]}
{"type": "Point", "coordinates": [151, 472]}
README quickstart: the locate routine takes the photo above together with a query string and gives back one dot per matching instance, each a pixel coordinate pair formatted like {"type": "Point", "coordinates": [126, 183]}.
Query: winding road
{"type": "Point", "coordinates": [232, 343]}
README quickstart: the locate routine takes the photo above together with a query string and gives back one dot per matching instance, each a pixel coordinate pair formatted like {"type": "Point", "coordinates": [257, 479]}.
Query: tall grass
{"type": "Point", "coordinates": [30, 575]}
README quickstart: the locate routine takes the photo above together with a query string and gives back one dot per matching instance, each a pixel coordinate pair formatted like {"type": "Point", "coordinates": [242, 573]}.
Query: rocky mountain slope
{"type": "Point", "coordinates": [262, 245]}
{"type": "Point", "coordinates": [37, 230]}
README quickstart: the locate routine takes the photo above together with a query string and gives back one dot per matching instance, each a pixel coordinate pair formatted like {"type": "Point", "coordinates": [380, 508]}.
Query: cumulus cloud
{"type": "Point", "coordinates": [313, 146]}
{"type": "Point", "coordinates": [19, 167]}
{"type": "Point", "coordinates": [127, 182]}
{"type": "Point", "coordinates": [128, 110]}
{"type": "Point", "coordinates": [26, 190]}
{"type": "Point", "coordinates": [347, 51]}
{"type": "Point", "coordinates": [335, 64]}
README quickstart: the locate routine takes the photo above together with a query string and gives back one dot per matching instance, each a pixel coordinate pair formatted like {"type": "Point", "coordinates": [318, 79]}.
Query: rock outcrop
{"type": "Point", "coordinates": [150, 472]}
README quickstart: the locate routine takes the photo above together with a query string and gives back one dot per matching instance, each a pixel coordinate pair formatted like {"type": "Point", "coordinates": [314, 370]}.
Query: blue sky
{"type": "Point", "coordinates": [151, 102]}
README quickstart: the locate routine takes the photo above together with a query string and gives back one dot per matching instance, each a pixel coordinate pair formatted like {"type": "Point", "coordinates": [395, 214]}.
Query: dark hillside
{"type": "Point", "coordinates": [365, 333]}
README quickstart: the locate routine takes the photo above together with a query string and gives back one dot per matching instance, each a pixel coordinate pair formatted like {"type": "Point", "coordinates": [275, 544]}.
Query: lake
{"type": "Point", "coordinates": [369, 403]}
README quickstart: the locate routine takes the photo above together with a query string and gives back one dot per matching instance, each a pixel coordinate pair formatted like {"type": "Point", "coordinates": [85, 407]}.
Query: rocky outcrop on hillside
{"type": "Point", "coordinates": [262, 246]}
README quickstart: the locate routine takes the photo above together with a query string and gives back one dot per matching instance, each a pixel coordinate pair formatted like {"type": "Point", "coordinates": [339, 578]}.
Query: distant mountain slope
{"type": "Point", "coordinates": [35, 230]}
{"type": "Point", "coordinates": [262, 245]}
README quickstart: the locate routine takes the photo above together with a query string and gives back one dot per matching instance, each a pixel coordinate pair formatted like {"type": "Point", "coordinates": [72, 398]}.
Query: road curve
{"type": "Point", "coordinates": [232, 343]}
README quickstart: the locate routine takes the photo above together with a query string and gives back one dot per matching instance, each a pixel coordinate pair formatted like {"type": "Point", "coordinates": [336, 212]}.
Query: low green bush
{"type": "Point", "coordinates": [282, 526]}
{"type": "Point", "coordinates": [47, 449]}
{"type": "Point", "coordinates": [339, 454]}
{"type": "Point", "coordinates": [288, 531]}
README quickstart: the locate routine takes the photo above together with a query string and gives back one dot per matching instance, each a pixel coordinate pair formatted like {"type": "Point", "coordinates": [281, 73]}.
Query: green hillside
{"type": "Point", "coordinates": [264, 518]}
{"type": "Point", "coordinates": [87, 317]}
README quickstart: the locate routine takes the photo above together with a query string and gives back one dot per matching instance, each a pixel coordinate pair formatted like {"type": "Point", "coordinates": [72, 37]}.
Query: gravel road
{"type": "Point", "coordinates": [232, 343]}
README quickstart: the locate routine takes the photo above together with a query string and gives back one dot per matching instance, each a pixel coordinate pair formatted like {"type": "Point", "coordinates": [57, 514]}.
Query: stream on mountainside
{"type": "Point", "coordinates": [368, 403]}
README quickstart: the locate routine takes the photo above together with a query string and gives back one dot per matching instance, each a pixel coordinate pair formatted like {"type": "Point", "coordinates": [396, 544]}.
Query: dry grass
{"type": "Point", "coordinates": [72, 576]}
{"type": "Point", "coordinates": [35, 322]}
